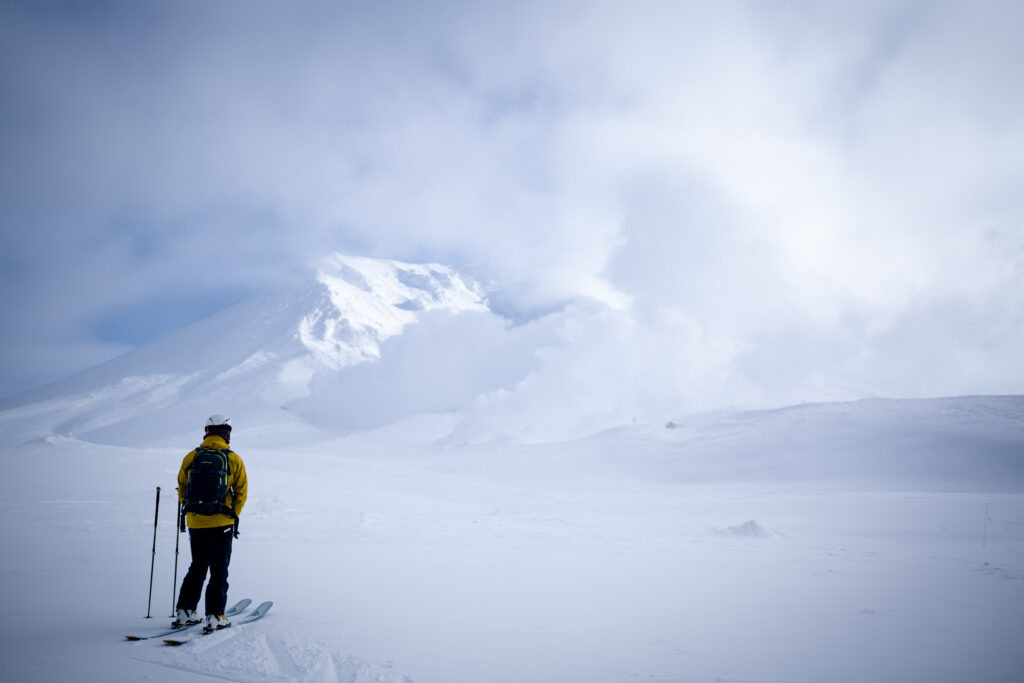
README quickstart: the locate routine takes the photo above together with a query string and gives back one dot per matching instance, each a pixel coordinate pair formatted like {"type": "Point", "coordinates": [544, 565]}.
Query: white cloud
{"type": "Point", "coordinates": [838, 179]}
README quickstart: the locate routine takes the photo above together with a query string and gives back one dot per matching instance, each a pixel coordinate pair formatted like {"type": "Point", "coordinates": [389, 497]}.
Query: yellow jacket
{"type": "Point", "coordinates": [237, 491]}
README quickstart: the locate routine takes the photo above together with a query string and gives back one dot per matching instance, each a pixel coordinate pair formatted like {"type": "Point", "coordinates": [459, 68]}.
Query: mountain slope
{"type": "Point", "coordinates": [964, 443]}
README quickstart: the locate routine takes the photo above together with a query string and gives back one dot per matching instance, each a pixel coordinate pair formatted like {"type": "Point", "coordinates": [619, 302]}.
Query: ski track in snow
{"type": "Point", "coordinates": [266, 656]}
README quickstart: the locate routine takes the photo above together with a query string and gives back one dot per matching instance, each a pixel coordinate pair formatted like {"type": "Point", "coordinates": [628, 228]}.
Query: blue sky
{"type": "Point", "coordinates": [809, 193]}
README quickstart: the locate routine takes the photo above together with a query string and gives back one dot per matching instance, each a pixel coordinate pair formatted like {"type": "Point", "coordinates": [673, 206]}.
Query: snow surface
{"type": "Point", "coordinates": [877, 540]}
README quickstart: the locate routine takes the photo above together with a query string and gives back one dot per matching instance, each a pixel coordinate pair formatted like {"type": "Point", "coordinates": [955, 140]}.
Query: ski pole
{"type": "Point", "coordinates": [152, 562]}
{"type": "Point", "coordinates": [177, 540]}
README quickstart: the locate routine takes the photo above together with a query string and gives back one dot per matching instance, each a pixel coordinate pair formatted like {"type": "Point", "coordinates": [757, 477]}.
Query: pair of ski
{"type": "Point", "coordinates": [236, 609]}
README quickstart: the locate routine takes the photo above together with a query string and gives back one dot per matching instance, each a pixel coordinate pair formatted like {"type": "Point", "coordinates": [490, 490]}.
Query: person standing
{"type": "Point", "coordinates": [212, 489]}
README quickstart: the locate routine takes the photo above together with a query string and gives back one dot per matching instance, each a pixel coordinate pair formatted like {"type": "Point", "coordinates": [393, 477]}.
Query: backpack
{"type": "Point", "coordinates": [209, 478]}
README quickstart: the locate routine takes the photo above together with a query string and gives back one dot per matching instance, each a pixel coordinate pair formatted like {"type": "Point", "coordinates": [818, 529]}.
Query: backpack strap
{"type": "Point", "coordinates": [227, 510]}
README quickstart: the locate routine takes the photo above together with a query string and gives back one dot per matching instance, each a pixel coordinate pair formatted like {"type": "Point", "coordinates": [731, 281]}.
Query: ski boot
{"type": "Point", "coordinates": [185, 617]}
{"type": "Point", "coordinates": [215, 623]}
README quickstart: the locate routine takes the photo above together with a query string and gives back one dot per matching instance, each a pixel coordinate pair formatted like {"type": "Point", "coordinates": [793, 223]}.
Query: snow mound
{"type": "Point", "coordinates": [749, 529]}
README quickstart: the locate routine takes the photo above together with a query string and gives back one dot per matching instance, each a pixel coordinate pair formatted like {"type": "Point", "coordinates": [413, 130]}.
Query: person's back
{"type": "Point", "coordinates": [211, 527]}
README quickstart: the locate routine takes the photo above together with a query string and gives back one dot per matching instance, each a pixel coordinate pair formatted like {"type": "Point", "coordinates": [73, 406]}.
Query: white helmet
{"type": "Point", "coordinates": [218, 420]}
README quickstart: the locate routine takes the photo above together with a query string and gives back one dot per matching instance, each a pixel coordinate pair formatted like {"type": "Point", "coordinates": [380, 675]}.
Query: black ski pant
{"type": "Point", "coordinates": [211, 551]}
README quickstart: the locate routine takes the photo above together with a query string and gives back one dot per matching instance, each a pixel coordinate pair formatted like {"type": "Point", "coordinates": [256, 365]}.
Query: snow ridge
{"type": "Point", "coordinates": [368, 301]}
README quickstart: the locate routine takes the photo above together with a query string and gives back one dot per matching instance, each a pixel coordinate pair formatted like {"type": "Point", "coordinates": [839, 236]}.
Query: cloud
{"type": "Point", "coordinates": [438, 365]}
{"type": "Point", "coordinates": [605, 368]}
{"type": "Point", "coordinates": [847, 176]}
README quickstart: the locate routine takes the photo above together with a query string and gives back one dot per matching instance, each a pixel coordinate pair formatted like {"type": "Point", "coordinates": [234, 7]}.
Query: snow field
{"type": "Point", "coordinates": [390, 561]}
{"type": "Point", "coordinates": [404, 535]}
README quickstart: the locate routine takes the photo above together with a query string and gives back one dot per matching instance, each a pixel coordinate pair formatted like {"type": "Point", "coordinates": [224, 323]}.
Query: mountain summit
{"type": "Point", "coordinates": [365, 301]}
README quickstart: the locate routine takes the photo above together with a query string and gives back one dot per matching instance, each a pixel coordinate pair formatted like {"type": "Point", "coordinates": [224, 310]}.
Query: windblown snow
{"type": "Point", "coordinates": [875, 540]}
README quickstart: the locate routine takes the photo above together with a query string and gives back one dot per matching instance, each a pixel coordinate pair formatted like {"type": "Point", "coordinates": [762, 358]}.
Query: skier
{"type": "Point", "coordinates": [212, 488]}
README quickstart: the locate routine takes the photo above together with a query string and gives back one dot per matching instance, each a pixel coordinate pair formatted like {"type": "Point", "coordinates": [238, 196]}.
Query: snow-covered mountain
{"type": "Point", "coordinates": [251, 359]}
{"type": "Point", "coordinates": [356, 343]}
